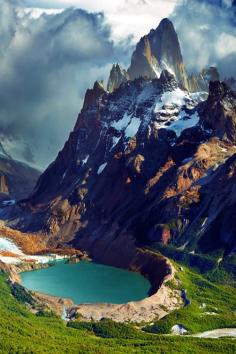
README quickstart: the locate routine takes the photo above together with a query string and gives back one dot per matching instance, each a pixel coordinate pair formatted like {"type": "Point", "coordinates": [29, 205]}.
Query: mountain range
{"type": "Point", "coordinates": [151, 160]}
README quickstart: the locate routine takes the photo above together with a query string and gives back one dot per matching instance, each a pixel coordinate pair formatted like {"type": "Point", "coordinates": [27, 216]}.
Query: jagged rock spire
{"type": "Point", "coordinates": [157, 51]}
{"type": "Point", "coordinates": [117, 77]}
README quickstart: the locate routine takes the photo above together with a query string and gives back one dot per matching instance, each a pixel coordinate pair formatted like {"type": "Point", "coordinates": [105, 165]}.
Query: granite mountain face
{"type": "Point", "coordinates": [149, 160]}
{"type": "Point", "coordinates": [158, 51]}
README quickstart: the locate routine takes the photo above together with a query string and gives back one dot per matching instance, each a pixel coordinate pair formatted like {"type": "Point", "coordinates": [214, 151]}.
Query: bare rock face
{"type": "Point", "coordinates": [117, 77]}
{"type": "Point", "coordinates": [143, 63]}
{"type": "Point", "coordinates": [93, 94]}
{"type": "Point", "coordinates": [219, 111]}
{"type": "Point", "coordinates": [159, 50]}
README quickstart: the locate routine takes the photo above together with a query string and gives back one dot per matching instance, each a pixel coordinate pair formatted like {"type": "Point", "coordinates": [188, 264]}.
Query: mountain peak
{"type": "Point", "coordinates": [165, 23]}
{"type": "Point", "coordinates": [93, 94]}
{"type": "Point", "coordinates": [157, 51]}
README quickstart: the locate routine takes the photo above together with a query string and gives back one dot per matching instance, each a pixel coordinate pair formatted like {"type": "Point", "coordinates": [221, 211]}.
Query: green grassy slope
{"type": "Point", "coordinates": [212, 305]}
{"type": "Point", "coordinates": [23, 332]}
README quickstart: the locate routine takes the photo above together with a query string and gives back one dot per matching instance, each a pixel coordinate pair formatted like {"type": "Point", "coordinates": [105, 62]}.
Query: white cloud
{"type": "Point", "coordinates": [226, 45]}
{"type": "Point", "coordinates": [36, 12]}
{"type": "Point", "coordinates": [207, 33]}
{"type": "Point", "coordinates": [127, 17]}
{"type": "Point", "coordinates": [46, 65]}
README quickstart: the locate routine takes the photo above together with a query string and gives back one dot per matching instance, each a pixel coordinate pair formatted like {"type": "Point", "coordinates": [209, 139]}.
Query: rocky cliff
{"type": "Point", "coordinates": [219, 111]}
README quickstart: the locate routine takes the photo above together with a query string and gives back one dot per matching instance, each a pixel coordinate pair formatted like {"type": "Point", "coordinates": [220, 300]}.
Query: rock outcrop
{"type": "Point", "coordinates": [93, 94]}
{"type": "Point", "coordinates": [4, 186]}
{"type": "Point", "coordinates": [117, 77]}
{"type": "Point", "coordinates": [219, 111]}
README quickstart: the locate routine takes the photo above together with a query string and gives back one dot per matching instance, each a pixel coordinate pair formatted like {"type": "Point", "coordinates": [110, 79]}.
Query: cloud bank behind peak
{"type": "Point", "coordinates": [46, 65]}
{"type": "Point", "coordinates": [207, 33]}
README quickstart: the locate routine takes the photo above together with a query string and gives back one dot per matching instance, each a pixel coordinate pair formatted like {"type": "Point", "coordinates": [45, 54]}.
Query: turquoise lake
{"type": "Point", "coordinates": [88, 282]}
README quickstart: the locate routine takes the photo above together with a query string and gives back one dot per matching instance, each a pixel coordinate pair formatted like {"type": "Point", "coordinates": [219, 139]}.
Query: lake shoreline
{"type": "Point", "coordinates": [153, 267]}
{"type": "Point", "coordinates": [159, 304]}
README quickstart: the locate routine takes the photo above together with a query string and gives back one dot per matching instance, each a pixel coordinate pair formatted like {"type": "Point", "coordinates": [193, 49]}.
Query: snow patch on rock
{"type": "Point", "coordinates": [183, 122]}
{"type": "Point", "coordinates": [101, 168]}
{"type": "Point", "coordinates": [165, 66]}
{"type": "Point", "coordinates": [132, 128]}
{"type": "Point", "coordinates": [176, 97]}
{"type": "Point", "coordinates": [8, 202]}
{"type": "Point", "coordinates": [122, 123]}
{"type": "Point", "coordinates": [115, 141]}
{"type": "Point", "coordinates": [17, 257]}
{"type": "Point", "coordinates": [85, 160]}
{"type": "Point", "coordinates": [187, 160]}
{"type": "Point", "coordinates": [9, 246]}
{"type": "Point", "coordinates": [156, 70]}
{"type": "Point", "coordinates": [146, 94]}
